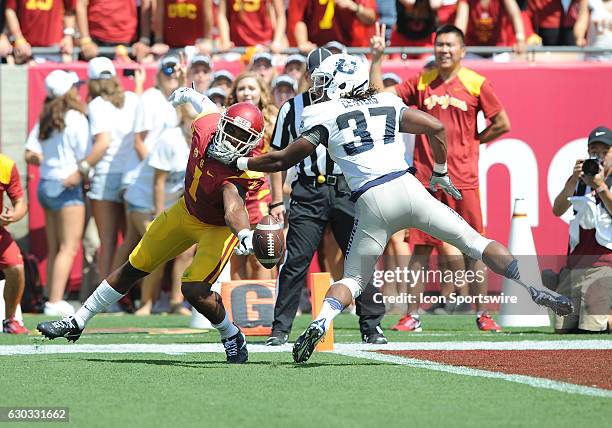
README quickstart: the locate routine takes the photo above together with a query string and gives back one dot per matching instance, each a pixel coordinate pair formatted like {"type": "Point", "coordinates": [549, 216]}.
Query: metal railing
{"type": "Point", "coordinates": [476, 50]}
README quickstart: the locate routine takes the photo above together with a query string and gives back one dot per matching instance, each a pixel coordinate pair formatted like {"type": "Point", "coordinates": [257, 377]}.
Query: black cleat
{"type": "Point", "coordinates": [305, 344]}
{"type": "Point", "coordinates": [559, 304]}
{"type": "Point", "coordinates": [66, 327]}
{"type": "Point", "coordinates": [236, 349]}
{"type": "Point", "coordinates": [375, 337]}
{"type": "Point", "coordinates": [277, 339]}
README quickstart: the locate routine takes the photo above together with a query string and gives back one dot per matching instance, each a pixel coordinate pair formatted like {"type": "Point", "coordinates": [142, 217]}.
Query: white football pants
{"type": "Point", "coordinates": [400, 204]}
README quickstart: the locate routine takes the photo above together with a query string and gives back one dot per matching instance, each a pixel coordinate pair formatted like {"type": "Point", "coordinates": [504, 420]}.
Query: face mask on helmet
{"type": "Point", "coordinates": [237, 135]}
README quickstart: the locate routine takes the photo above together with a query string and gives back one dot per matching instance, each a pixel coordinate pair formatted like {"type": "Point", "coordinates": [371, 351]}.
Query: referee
{"type": "Point", "coordinates": [320, 195]}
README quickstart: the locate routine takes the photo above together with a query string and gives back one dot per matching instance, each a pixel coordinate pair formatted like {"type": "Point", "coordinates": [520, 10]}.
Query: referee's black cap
{"type": "Point", "coordinates": [316, 57]}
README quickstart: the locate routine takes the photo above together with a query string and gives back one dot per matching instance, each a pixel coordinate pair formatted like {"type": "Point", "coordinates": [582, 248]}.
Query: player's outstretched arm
{"type": "Point", "coordinates": [278, 160]}
{"type": "Point", "coordinates": [418, 122]}
{"type": "Point", "coordinates": [237, 218]}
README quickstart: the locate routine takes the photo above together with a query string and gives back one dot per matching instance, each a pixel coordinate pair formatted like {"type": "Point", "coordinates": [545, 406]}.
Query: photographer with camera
{"type": "Point", "coordinates": [587, 278]}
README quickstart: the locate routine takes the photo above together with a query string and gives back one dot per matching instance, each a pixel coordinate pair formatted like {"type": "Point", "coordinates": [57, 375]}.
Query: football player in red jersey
{"type": "Point", "coordinates": [211, 214]}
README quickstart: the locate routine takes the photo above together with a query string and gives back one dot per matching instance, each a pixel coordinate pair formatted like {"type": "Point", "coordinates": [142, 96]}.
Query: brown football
{"type": "Point", "coordinates": [268, 242]}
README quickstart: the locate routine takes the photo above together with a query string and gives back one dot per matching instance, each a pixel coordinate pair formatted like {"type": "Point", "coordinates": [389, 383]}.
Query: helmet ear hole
{"type": "Point", "coordinates": [342, 85]}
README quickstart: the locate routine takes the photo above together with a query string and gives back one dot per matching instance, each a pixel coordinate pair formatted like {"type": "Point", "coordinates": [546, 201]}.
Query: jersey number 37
{"type": "Point", "coordinates": [357, 121]}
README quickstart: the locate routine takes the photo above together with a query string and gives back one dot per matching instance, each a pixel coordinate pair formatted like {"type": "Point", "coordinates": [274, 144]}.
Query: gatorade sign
{"type": "Point", "coordinates": [250, 304]}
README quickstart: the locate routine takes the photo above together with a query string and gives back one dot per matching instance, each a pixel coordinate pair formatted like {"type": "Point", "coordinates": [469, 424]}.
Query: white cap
{"type": "Point", "coordinates": [100, 68]}
{"type": "Point", "coordinates": [59, 82]}
{"type": "Point", "coordinates": [201, 59]}
{"type": "Point", "coordinates": [265, 56]}
{"type": "Point", "coordinates": [391, 76]}
{"type": "Point", "coordinates": [223, 74]}
{"type": "Point", "coordinates": [215, 91]}
{"type": "Point", "coordinates": [286, 80]}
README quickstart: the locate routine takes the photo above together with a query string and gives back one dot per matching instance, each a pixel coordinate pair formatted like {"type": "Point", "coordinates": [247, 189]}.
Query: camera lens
{"type": "Point", "coordinates": [590, 167]}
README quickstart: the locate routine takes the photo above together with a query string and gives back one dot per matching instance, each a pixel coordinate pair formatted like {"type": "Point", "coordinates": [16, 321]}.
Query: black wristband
{"type": "Point", "coordinates": [439, 174]}
{"type": "Point", "coordinates": [276, 204]}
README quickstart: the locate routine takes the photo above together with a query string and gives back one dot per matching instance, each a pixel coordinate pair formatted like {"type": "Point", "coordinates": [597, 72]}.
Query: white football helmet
{"type": "Point", "coordinates": [339, 75]}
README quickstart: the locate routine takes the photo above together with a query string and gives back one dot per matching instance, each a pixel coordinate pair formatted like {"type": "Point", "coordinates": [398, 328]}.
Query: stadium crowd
{"type": "Point", "coordinates": [115, 155]}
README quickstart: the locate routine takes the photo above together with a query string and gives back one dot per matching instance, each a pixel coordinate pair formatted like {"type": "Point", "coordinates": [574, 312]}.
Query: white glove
{"type": "Point", "coordinates": [444, 182]}
{"type": "Point", "coordinates": [184, 95]}
{"type": "Point", "coordinates": [245, 243]}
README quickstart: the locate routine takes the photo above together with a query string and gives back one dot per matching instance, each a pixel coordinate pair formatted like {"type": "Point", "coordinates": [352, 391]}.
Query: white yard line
{"type": "Point", "coordinates": [60, 347]}
{"type": "Point", "coordinates": [535, 382]}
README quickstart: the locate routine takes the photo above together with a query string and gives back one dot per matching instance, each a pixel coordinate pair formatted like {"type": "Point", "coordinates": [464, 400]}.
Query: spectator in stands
{"type": "Point", "coordinates": [315, 23]}
{"type": "Point", "coordinates": [416, 23]}
{"type": "Point", "coordinates": [58, 141]}
{"type": "Point", "coordinates": [335, 47]}
{"type": "Point", "coordinates": [554, 21]}
{"type": "Point", "coordinates": [5, 46]}
{"type": "Point", "coordinates": [222, 79]}
{"type": "Point", "coordinates": [252, 23]}
{"type": "Point", "coordinates": [387, 13]}
{"type": "Point", "coordinates": [483, 21]}
{"type": "Point", "coordinates": [11, 261]}
{"type": "Point", "coordinates": [183, 23]}
{"type": "Point", "coordinates": [111, 113]}
{"type": "Point", "coordinates": [105, 23]}
{"type": "Point", "coordinates": [261, 63]}
{"type": "Point", "coordinates": [217, 95]}
{"type": "Point", "coordinates": [594, 27]}
{"type": "Point", "coordinates": [295, 66]}
{"type": "Point", "coordinates": [41, 24]}
{"type": "Point", "coordinates": [587, 279]}
{"type": "Point", "coordinates": [250, 87]}
{"type": "Point", "coordinates": [152, 115]}
{"type": "Point", "coordinates": [284, 87]}
{"type": "Point", "coordinates": [199, 72]}
{"type": "Point", "coordinates": [158, 186]}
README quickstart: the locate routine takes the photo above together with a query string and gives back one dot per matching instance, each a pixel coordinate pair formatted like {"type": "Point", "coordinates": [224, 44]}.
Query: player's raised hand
{"type": "Point", "coordinates": [444, 182]}
{"type": "Point", "coordinates": [377, 41]}
{"type": "Point", "coordinates": [181, 95]}
{"type": "Point", "coordinates": [245, 243]}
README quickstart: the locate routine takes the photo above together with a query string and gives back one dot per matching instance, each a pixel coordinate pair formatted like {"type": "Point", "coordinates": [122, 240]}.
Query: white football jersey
{"type": "Point", "coordinates": [363, 135]}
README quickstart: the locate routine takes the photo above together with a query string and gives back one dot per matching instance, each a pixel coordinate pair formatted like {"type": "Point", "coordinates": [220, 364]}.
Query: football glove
{"type": "Point", "coordinates": [245, 243]}
{"type": "Point", "coordinates": [443, 181]}
{"type": "Point", "coordinates": [184, 95]}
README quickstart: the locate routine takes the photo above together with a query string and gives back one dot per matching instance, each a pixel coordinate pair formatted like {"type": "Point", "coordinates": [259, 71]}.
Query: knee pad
{"type": "Point", "coordinates": [352, 284]}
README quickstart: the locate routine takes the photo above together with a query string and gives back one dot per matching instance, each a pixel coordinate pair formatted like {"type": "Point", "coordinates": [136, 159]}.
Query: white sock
{"type": "Point", "coordinates": [102, 297]}
{"type": "Point", "coordinates": [331, 308]}
{"type": "Point", "coordinates": [226, 328]}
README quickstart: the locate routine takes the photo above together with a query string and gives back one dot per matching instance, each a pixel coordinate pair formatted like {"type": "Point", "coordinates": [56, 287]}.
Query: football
{"type": "Point", "coordinates": [268, 242]}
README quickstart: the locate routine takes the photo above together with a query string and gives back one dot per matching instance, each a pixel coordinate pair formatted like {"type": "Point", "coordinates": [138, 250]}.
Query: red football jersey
{"type": "Point", "coordinates": [183, 22]}
{"type": "Point", "coordinates": [112, 21]}
{"type": "Point", "coordinates": [41, 22]}
{"type": "Point", "coordinates": [456, 104]}
{"type": "Point", "coordinates": [249, 22]}
{"type": "Point", "coordinates": [326, 22]}
{"type": "Point", "coordinates": [205, 176]}
{"type": "Point", "coordinates": [9, 180]}
{"type": "Point", "coordinates": [551, 14]}
{"type": "Point", "coordinates": [485, 23]}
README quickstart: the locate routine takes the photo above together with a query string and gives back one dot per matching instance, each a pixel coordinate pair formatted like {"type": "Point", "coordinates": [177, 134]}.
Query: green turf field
{"type": "Point", "coordinates": [199, 389]}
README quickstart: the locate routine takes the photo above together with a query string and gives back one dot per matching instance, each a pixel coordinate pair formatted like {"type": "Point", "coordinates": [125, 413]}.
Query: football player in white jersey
{"type": "Point", "coordinates": [359, 127]}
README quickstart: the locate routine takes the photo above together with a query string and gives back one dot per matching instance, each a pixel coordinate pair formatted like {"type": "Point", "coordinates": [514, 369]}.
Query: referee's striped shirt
{"type": "Point", "coordinates": [286, 130]}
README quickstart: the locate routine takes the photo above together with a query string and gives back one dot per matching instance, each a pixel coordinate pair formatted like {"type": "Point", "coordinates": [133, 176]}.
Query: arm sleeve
{"type": "Point", "coordinates": [14, 189]}
{"type": "Point", "coordinates": [33, 144]}
{"type": "Point", "coordinates": [489, 103]}
{"type": "Point", "coordinates": [407, 90]}
{"type": "Point", "coordinates": [281, 137]}
{"type": "Point", "coordinates": [316, 135]}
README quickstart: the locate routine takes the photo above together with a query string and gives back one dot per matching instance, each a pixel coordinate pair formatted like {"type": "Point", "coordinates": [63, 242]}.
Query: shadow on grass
{"type": "Point", "coordinates": [221, 364]}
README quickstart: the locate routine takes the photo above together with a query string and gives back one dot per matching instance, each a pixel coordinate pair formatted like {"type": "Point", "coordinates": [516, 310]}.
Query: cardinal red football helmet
{"type": "Point", "coordinates": [240, 129]}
